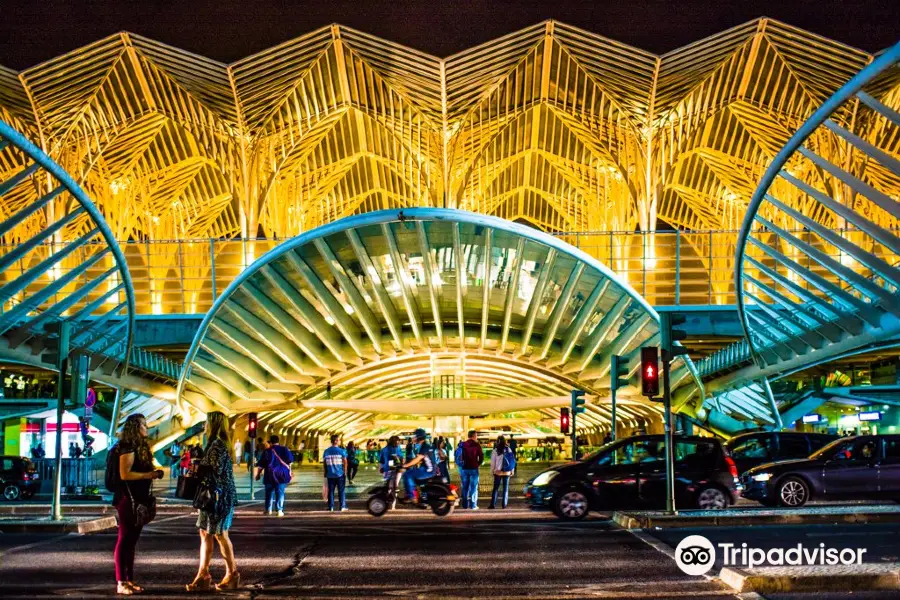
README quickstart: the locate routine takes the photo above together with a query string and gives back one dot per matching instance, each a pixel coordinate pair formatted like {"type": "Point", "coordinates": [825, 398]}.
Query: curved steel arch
{"type": "Point", "coordinates": [846, 298]}
{"type": "Point", "coordinates": [48, 285]}
{"type": "Point", "coordinates": [338, 275]}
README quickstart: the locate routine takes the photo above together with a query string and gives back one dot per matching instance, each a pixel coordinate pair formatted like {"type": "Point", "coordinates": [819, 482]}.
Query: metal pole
{"type": "Point", "coordinates": [574, 436]}
{"type": "Point", "coordinates": [677, 267]}
{"type": "Point", "coordinates": [670, 455]}
{"type": "Point", "coordinates": [117, 409]}
{"type": "Point", "coordinates": [613, 417]}
{"type": "Point", "coordinates": [62, 364]}
{"type": "Point", "coordinates": [212, 266]}
{"type": "Point", "coordinates": [252, 457]}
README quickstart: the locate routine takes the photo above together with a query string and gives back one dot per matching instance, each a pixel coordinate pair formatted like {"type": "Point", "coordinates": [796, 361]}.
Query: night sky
{"type": "Point", "coordinates": [32, 31]}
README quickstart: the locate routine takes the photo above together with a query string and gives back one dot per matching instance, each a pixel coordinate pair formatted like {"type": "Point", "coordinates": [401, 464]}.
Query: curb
{"type": "Point", "coordinates": [643, 521]}
{"type": "Point", "coordinates": [742, 581]}
{"type": "Point", "coordinates": [64, 526]}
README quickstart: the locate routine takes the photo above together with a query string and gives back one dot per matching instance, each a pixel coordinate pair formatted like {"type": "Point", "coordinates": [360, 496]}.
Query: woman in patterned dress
{"type": "Point", "coordinates": [218, 463]}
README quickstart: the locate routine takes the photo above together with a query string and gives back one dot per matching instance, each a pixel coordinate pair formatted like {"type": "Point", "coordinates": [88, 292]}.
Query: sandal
{"type": "Point", "coordinates": [123, 589]}
{"type": "Point", "coordinates": [231, 582]}
{"type": "Point", "coordinates": [135, 587]}
{"type": "Point", "coordinates": [201, 584]}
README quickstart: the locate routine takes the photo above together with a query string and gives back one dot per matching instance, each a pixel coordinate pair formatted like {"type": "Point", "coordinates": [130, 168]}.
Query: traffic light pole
{"type": "Point", "coordinates": [613, 416]}
{"type": "Point", "coordinates": [670, 449]}
{"type": "Point", "coordinates": [252, 457]}
{"type": "Point", "coordinates": [62, 365]}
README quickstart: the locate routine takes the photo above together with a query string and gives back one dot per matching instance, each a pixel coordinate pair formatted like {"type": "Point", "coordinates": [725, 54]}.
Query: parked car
{"type": "Point", "coordinates": [631, 473]}
{"type": "Point", "coordinates": [753, 449]}
{"type": "Point", "coordinates": [18, 478]}
{"type": "Point", "coordinates": [865, 467]}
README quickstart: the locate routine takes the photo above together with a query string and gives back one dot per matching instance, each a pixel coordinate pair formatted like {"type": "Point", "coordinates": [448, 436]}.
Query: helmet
{"type": "Point", "coordinates": [420, 434]}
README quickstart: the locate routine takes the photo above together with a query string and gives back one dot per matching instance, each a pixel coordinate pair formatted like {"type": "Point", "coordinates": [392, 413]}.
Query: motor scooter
{"type": "Point", "coordinates": [435, 492]}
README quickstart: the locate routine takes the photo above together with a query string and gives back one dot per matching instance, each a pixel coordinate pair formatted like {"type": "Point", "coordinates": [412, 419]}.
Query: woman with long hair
{"type": "Point", "coordinates": [501, 477]}
{"type": "Point", "coordinates": [352, 462]}
{"type": "Point", "coordinates": [217, 465]}
{"type": "Point", "coordinates": [133, 488]}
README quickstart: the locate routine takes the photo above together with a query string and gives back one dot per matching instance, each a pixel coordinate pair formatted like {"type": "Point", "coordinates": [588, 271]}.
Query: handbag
{"type": "Point", "coordinates": [208, 496]}
{"type": "Point", "coordinates": [143, 512]}
{"type": "Point", "coordinates": [290, 472]}
{"type": "Point", "coordinates": [186, 488]}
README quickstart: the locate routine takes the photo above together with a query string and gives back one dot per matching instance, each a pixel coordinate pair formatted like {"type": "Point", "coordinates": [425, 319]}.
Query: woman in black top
{"type": "Point", "coordinates": [352, 462]}
{"type": "Point", "coordinates": [133, 487]}
{"type": "Point", "coordinates": [217, 463]}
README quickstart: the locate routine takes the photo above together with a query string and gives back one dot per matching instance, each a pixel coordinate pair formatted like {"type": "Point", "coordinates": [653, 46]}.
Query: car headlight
{"type": "Point", "coordinates": [544, 478]}
{"type": "Point", "coordinates": [762, 477]}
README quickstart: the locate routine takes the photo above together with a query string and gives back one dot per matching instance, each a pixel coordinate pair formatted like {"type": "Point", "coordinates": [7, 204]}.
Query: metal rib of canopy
{"type": "Point", "coordinates": [58, 261]}
{"type": "Point", "coordinates": [421, 311]}
{"type": "Point", "coordinates": [817, 255]}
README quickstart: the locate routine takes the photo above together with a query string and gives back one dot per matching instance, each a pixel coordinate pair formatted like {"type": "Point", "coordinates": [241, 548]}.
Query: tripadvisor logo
{"type": "Point", "coordinates": [696, 555]}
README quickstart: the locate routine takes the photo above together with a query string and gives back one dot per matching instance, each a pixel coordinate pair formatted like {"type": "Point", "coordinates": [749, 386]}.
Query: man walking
{"type": "Point", "coordinates": [275, 461]}
{"type": "Point", "coordinates": [335, 459]}
{"type": "Point", "coordinates": [472, 457]}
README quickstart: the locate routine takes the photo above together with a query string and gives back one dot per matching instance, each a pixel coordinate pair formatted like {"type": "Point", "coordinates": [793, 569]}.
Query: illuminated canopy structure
{"type": "Point", "coordinates": [428, 312]}
{"type": "Point", "coordinates": [552, 125]}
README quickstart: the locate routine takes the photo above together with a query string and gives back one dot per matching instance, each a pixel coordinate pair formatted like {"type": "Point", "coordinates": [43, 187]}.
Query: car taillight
{"type": "Point", "coordinates": [731, 466]}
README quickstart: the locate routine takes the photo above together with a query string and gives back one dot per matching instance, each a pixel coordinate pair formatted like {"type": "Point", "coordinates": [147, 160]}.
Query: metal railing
{"type": "Point", "coordinates": [672, 268]}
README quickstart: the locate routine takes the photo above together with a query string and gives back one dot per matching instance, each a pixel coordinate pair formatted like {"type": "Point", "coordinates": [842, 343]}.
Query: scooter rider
{"type": "Point", "coordinates": [422, 465]}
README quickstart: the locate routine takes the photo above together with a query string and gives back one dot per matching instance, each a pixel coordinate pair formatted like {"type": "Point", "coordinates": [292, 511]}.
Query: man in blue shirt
{"type": "Point", "coordinates": [422, 466]}
{"type": "Point", "coordinates": [276, 462]}
{"type": "Point", "coordinates": [335, 459]}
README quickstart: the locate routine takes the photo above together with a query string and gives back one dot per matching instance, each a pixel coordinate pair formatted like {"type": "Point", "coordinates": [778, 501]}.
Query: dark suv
{"type": "Point", "coordinates": [753, 449]}
{"type": "Point", "coordinates": [631, 473]}
{"type": "Point", "coordinates": [18, 478]}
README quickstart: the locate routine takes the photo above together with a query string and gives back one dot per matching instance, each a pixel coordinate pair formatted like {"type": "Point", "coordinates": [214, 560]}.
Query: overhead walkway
{"type": "Point", "coordinates": [833, 290]}
{"type": "Point", "coordinates": [59, 262]}
{"type": "Point", "coordinates": [419, 312]}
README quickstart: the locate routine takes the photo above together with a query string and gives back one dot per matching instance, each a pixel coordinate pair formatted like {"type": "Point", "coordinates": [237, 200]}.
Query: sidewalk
{"type": "Point", "coordinates": [748, 516]}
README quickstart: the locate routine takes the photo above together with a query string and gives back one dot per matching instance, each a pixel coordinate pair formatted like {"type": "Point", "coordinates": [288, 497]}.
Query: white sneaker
{"type": "Point", "coordinates": [268, 513]}
{"type": "Point", "coordinates": [280, 513]}
{"type": "Point", "coordinates": [474, 508]}
{"type": "Point", "coordinates": [345, 509]}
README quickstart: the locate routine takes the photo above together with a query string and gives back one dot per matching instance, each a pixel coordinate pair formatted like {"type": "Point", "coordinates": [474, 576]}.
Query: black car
{"type": "Point", "coordinates": [18, 478]}
{"type": "Point", "coordinates": [631, 473]}
{"type": "Point", "coordinates": [865, 467]}
{"type": "Point", "coordinates": [750, 450]}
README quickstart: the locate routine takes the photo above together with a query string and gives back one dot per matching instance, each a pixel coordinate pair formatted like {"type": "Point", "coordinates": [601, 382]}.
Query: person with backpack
{"type": "Point", "coordinates": [275, 461]}
{"type": "Point", "coordinates": [503, 465]}
{"type": "Point", "coordinates": [472, 456]}
{"type": "Point", "coordinates": [129, 476]}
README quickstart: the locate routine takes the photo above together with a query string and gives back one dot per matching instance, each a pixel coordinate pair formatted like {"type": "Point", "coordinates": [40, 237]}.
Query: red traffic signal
{"type": "Point", "coordinates": [251, 424]}
{"type": "Point", "coordinates": [650, 371]}
{"type": "Point", "coordinates": [564, 420]}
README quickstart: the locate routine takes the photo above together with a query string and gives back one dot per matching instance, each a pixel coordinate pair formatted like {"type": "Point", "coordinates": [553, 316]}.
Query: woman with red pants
{"type": "Point", "coordinates": [132, 489]}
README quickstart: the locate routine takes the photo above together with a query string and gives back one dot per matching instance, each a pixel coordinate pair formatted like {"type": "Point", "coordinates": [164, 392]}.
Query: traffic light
{"type": "Point", "coordinates": [650, 371]}
{"type": "Point", "coordinates": [618, 373]}
{"type": "Point", "coordinates": [668, 335]}
{"type": "Point", "coordinates": [251, 425]}
{"type": "Point", "coordinates": [577, 402]}
{"type": "Point", "coordinates": [564, 420]}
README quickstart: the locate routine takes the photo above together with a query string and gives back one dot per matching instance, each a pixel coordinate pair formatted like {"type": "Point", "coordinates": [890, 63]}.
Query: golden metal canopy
{"type": "Point", "coordinates": [551, 125]}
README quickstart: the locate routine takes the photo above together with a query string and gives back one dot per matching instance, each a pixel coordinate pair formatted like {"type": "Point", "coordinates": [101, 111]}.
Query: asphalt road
{"type": "Point", "coordinates": [409, 553]}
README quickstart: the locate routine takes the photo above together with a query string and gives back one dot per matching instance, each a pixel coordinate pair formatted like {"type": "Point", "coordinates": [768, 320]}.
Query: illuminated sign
{"type": "Point", "coordinates": [870, 416]}
{"type": "Point", "coordinates": [812, 418]}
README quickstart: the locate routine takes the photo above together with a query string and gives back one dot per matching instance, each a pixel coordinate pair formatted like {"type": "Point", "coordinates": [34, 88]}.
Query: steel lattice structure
{"type": "Point", "coordinates": [552, 125]}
